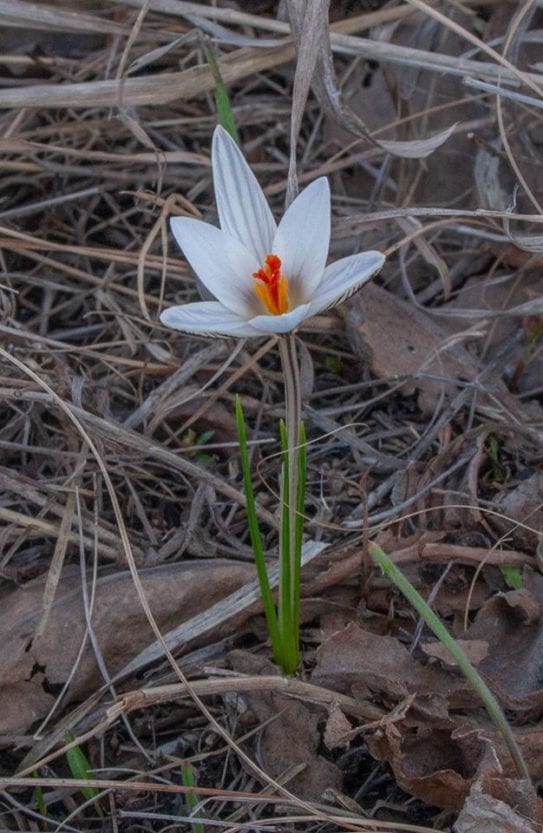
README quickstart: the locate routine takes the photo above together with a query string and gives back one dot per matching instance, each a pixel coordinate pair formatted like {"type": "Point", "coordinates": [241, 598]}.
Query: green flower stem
{"type": "Point", "coordinates": [438, 629]}
{"type": "Point", "coordinates": [284, 621]}
{"type": "Point", "coordinates": [300, 517]}
{"type": "Point", "coordinates": [285, 578]}
{"type": "Point", "coordinates": [289, 556]}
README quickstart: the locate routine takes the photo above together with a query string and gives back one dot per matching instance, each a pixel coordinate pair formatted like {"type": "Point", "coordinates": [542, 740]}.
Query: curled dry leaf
{"type": "Point", "coordinates": [511, 625]}
{"type": "Point", "coordinates": [309, 22]}
{"type": "Point", "coordinates": [484, 813]}
{"type": "Point", "coordinates": [314, 36]}
{"type": "Point", "coordinates": [427, 762]}
{"type": "Point", "coordinates": [435, 752]}
{"type": "Point", "coordinates": [418, 148]}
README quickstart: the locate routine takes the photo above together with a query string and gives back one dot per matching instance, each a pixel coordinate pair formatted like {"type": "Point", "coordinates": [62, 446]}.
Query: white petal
{"type": "Point", "coordinates": [303, 238]}
{"type": "Point", "coordinates": [243, 210]}
{"type": "Point", "coordinates": [344, 277]}
{"type": "Point", "coordinates": [223, 265]}
{"type": "Point", "coordinates": [281, 323]}
{"type": "Point", "coordinates": [207, 318]}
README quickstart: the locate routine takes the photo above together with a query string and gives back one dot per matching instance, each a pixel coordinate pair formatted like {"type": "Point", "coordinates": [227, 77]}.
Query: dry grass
{"type": "Point", "coordinates": [118, 440]}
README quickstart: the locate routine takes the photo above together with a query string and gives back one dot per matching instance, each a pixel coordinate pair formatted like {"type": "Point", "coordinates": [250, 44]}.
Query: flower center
{"type": "Point", "coordinates": [273, 287]}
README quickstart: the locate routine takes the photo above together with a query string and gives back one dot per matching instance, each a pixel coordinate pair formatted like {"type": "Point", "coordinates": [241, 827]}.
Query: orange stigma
{"type": "Point", "coordinates": [273, 291]}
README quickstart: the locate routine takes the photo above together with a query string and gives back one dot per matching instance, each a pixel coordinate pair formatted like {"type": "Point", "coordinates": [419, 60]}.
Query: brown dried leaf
{"type": "Point", "coordinates": [288, 745]}
{"type": "Point", "coordinates": [35, 666]}
{"type": "Point", "coordinates": [440, 762]}
{"type": "Point", "coordinates": [434, 754]}
{"type": "Point", "coordinates": [332, 101]}
{"type": "Point", "coordinates": [415, 346]}
{"type": "Point", "coordinates": [414, 343]}
{"type": "Point", "coordinates": [523, 504]}
{"type": "Point", "coordinates": [502, 300]}
{"type": "Point", "coordinates": [518, 793]}
{"type": "Point", "coordinates": [484, 813]}
{"type": "Point", "coordinates": [524, 605]}
{"type": "Point", "coordinates": [475, 650]}
{"type": "Point", "coordinates": [427, 762]}
{"type": "Point", "coordinates": [512, 627]}
{"type": "Point", "coordinates": [355, 660]}
{"type": "Point", "coordinates": [337, 732]}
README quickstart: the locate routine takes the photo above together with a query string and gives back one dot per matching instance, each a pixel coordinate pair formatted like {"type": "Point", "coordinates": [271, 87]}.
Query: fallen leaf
{"type": "Point", "coordinates": [309, 24]}
{"type": "Point", "coordinates": [34, 669]}
{"type": "Point", "coordinates": [523, 504]}
{"type": "Point", "coordinates": [427, 763]}
{"type": "Point", "coordinates": [511, 626]}
{"type": "Point", "coordinates": [475, 650]}
{"type": "Point", "coordinates": [416, 349]}
{"type": "Point", "coordinates": [414, 344]}
{"type": "Point", "coordinates": [354, 660]}
{"type": "Point", "coordinates": [290, 737]}
{"type": "Point", "coordinates": [435, 752]}
{"type": "Point", "coordinates": [504, 296]}
{"type": "Point", "coordinates": [338, 730]}
{"type": "Point", "coordinates": [483, 813]}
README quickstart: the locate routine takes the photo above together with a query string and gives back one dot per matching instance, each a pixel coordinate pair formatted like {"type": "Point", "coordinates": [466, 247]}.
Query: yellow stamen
{"type": "Point", "coordinates": [273, 289]}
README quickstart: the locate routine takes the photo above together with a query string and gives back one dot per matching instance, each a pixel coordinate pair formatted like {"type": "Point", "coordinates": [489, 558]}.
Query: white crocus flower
{"type": "Point", "coordinates": [266, 278]}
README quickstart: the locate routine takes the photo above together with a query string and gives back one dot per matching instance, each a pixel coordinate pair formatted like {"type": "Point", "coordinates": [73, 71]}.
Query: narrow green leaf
{"type": "Point", "coordinates": [440, 631]}
{"type": "Point", "coordinates": [39, 797]}
{"type": "Point", "coordinates": [222, 100]}
{"type": "Point", "coordinates": [188, 779]}
{"type": "Point", "coordinates": [79, 767]}
{"type": "Point", "coordinates": [256, 539]}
